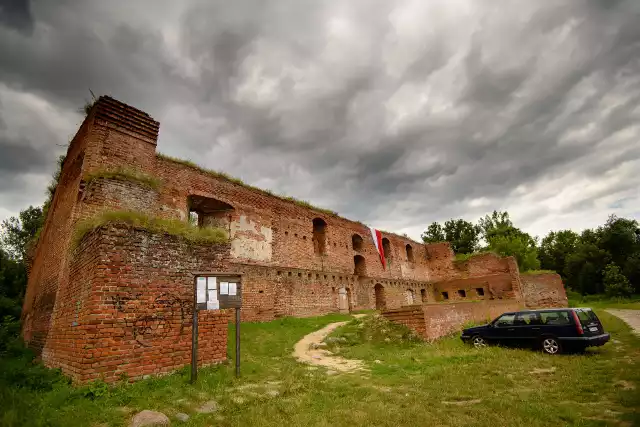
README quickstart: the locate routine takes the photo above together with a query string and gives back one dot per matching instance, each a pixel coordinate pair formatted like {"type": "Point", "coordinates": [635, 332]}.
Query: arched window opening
{"type": "Point", "coordinates": [423, 295]}
{"type": "Point", "coordinates": [360, 267]}
{"type": "Point", "coordinates": [319, 236]}
{"type": "Point", "coordinates": [409, 253]}
{"type": "Point", "coordinates": [386, 248]}
{"type": "Point", "coordinates": [357, 242]}
{"type": "Point", "coordinates": [209, 212]}
{"type": "Point", "coordinates": [380, 298]}
{"type": "Point", "coordinates": [410, 296]}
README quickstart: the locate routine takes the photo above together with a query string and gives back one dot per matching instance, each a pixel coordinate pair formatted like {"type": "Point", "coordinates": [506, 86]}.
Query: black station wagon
{"type": "Point", "coordinates": [552, 330]}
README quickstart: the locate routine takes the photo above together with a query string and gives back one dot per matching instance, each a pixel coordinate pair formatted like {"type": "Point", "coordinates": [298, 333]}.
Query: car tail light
{"type": "Point", "coordinates": [578, 324]}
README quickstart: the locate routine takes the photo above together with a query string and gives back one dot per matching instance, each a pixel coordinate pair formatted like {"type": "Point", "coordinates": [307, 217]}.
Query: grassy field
{"type": "Point", "coordinates": [407, 383]}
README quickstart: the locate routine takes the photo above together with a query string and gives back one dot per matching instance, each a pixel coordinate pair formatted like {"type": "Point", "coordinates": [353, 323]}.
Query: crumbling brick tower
{"type": "Point", "coordinates": [106, 298]}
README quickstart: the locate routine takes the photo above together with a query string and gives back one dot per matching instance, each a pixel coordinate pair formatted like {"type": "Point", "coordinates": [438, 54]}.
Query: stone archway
{"type": "Point", "coordinates": [381, 302]}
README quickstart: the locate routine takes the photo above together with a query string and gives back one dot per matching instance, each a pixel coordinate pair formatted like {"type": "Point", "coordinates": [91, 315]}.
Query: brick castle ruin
{"type": "Point", "coordinates": [118, 301]}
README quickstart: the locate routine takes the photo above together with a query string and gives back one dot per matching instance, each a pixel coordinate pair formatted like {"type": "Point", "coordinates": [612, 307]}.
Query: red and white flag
{"type": "Point", "coordinates": [377, 240]}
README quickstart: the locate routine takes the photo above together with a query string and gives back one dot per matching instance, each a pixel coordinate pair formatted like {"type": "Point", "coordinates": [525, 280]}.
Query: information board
{"type": "Point", "coordinates": [215, 291]}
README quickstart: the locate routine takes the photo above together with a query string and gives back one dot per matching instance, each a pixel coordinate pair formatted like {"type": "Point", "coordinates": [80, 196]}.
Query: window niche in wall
{"type": "Point", "coordinates": [386, 248]}
{"type": "Point", "coordinates": [462, 293]}
{"type": "Point", "coordinates": [445, 295]}
{"type": "Point", "coordinates": [409, 253]}
{"type": "Point", "coordinates": [209, 212]}
{"type": "Point", "coordinates": [319, 236]}
{"type": "Point", "coordinates": [357, 242]}
{"type": "Point", "coordinates": [360, 266]}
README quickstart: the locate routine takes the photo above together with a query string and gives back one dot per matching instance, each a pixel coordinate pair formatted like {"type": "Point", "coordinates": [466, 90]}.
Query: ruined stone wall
{"type": "Point", "coordinates": [112, 135]}
{"type": "Point", "coordinates": [49, 270]}
{"type": "Point", "coordinates": [129, 311]}
{"type": "Point", "coordinates": [410, 316]}
{"type": "Point", "coordinates": [543, 290]}
{"type": "Point", "coordinates": [432, 321]}
{"type": "Point", "coordinates": [445, 319]}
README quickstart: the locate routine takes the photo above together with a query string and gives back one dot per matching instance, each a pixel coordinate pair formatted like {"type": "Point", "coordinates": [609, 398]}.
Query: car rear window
{"type": "Point", "coordinates": [586, 315]}
{"type": "Point", "coordinates": [555, 318]}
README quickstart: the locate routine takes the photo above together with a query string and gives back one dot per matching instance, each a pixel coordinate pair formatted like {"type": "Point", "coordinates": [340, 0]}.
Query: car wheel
{"type": "Point", "coordinates": [551, 345]}
{"type": "Point", "coordinates": [478, 341]}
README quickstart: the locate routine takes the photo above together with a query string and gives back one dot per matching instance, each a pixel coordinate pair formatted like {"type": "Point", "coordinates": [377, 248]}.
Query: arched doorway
{"type": "Point", "coordinates": [410, 296]}
{"type": "Point", "coordinates": [343, 300]}
{"type": "Point", "coordinates": [381, 304]}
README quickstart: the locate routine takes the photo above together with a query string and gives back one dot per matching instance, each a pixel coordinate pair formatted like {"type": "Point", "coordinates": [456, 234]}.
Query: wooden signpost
{"type": "Point", "coordinates": [215, 291]}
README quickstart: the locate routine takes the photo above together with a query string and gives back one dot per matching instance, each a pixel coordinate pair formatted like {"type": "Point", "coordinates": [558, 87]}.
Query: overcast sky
{"type": "Point", "coordinates": [394, 113]}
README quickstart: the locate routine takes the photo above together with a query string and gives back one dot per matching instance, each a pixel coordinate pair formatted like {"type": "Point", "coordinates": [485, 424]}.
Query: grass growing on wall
{"type": "Point", "coordinates": [152, 224]}
{"type": "Point", "coordinates": [538, 272]}
{"type": "Point", "coordinates": [238, 181]}
{"type": "Point", "coordinates": [126, 174]}
{"type": "Point", "coordinates": [465, 257]}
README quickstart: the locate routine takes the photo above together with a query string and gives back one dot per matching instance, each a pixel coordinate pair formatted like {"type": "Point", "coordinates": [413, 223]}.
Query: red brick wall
{"type": "Point", "coordinates": [411, 316]}
{"type": "Point", "coordinates": [432, 321]}
{"type": "Point", "coordinates": [543, 290]}
{"type": "Point", "coordinates": [129, 309]}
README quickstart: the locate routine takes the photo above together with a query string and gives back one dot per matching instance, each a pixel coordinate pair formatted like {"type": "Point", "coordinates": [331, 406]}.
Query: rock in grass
{"type": "Point", "coordinates": [208, 407]}
{"type": "Point", "coordinates": [182, 417]}
{"type": "Point", "coordinates": [148, 418]}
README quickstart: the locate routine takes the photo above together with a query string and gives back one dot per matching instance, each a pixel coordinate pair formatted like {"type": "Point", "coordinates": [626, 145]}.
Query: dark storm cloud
{"type": "Point", "coordinates": [16, 14]}
{"type": "Point", "coordinates": [395, 113]}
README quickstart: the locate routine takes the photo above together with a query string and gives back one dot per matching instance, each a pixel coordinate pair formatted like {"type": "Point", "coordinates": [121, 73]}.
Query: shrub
{"type": "Point", "coordinates": [615, 283]}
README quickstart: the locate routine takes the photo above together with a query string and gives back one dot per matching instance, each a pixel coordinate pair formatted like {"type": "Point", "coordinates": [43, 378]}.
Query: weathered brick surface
{"type": "Point", "coordinates": [432, 321]}
{"type": "Point", "coordinates": [544, 290]}
{"type": "Point", "coordinates": [129, 308]}
{"type": "Point", "coordinates": [296, 260]}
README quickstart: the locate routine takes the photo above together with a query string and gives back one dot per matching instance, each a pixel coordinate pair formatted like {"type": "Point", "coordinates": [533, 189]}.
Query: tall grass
{"type": "Point", "coordinates": [126, 174]}
{"type": "Point", "coordinates": [152, 224]}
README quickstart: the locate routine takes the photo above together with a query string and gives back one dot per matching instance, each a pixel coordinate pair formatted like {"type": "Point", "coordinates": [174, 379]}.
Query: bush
{"type": "Point", "coordinates": [615, 283]}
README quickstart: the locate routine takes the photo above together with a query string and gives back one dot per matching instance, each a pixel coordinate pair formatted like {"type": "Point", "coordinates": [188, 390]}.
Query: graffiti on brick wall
{"type": "Point", "coordinates": [147, 320]}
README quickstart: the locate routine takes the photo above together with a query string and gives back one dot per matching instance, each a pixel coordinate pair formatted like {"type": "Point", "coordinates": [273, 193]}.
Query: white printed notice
{"type": "Point", "coordinates": [213, 305]}
{"type": "Point", "coordinates": [201, 289]}
{"type": "Point", "coordinates": [232, 288]}
{"type": "Point", "coordinates": [224, 288]}
{"type": "Point", "coordinates": [211, 283]}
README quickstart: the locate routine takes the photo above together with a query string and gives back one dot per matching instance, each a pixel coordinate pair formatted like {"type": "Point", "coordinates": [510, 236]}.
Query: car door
{"type": "Point", "coordinates": [526, 328]}
{"type": "Point", "coordinates": [556, 323]}
{"type": "Point", "coordinates": [502, 330]}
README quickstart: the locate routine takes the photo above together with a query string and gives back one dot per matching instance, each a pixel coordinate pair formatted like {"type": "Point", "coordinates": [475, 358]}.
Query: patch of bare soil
{"type": "Point", "coordinates": [309, 350]}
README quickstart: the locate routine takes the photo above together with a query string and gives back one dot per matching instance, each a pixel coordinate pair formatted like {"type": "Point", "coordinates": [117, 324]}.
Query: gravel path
{"type": "Point", "coordinates": [630, 317]}
{"type": "Point", "coordinates": [310, 350]}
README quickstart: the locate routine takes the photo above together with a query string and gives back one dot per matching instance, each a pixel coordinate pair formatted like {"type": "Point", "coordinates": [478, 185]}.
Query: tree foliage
{"type": "Point", "coordinates": [18, 232]}
{"type": "Point", "coordinates": [462, 235]}
{"type": "Point", "coordinates": [615, 283]}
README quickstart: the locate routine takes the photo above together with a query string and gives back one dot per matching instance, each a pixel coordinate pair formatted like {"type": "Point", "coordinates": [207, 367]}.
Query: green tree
{"type": "Point", "coordinates": [462, 234]}
{"type": "Point", "coordinates": [615, 283]}
{"type": "Point", "coordinates": [494, 224]}
{"type": "Point", "coordinates": [433, 234]}
{"type": "Point", "coordinates": [17, 233]}
{"type": "Point", "coordinates": [584, 268]}
{"type": "Point", "coordinates": [554, 249]}
{"type": "Point", "coordinates": [13, 282]}
{"type": "Point", "coordinates": [619, 237]}
{"type": "Point", "coordinates": [518, 244]}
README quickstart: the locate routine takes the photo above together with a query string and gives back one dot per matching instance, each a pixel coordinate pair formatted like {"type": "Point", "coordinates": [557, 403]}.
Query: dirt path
{"type": "Point", "coordinates": [309, 350]}
{"type": "Point", "coordinates": [630, 317]}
